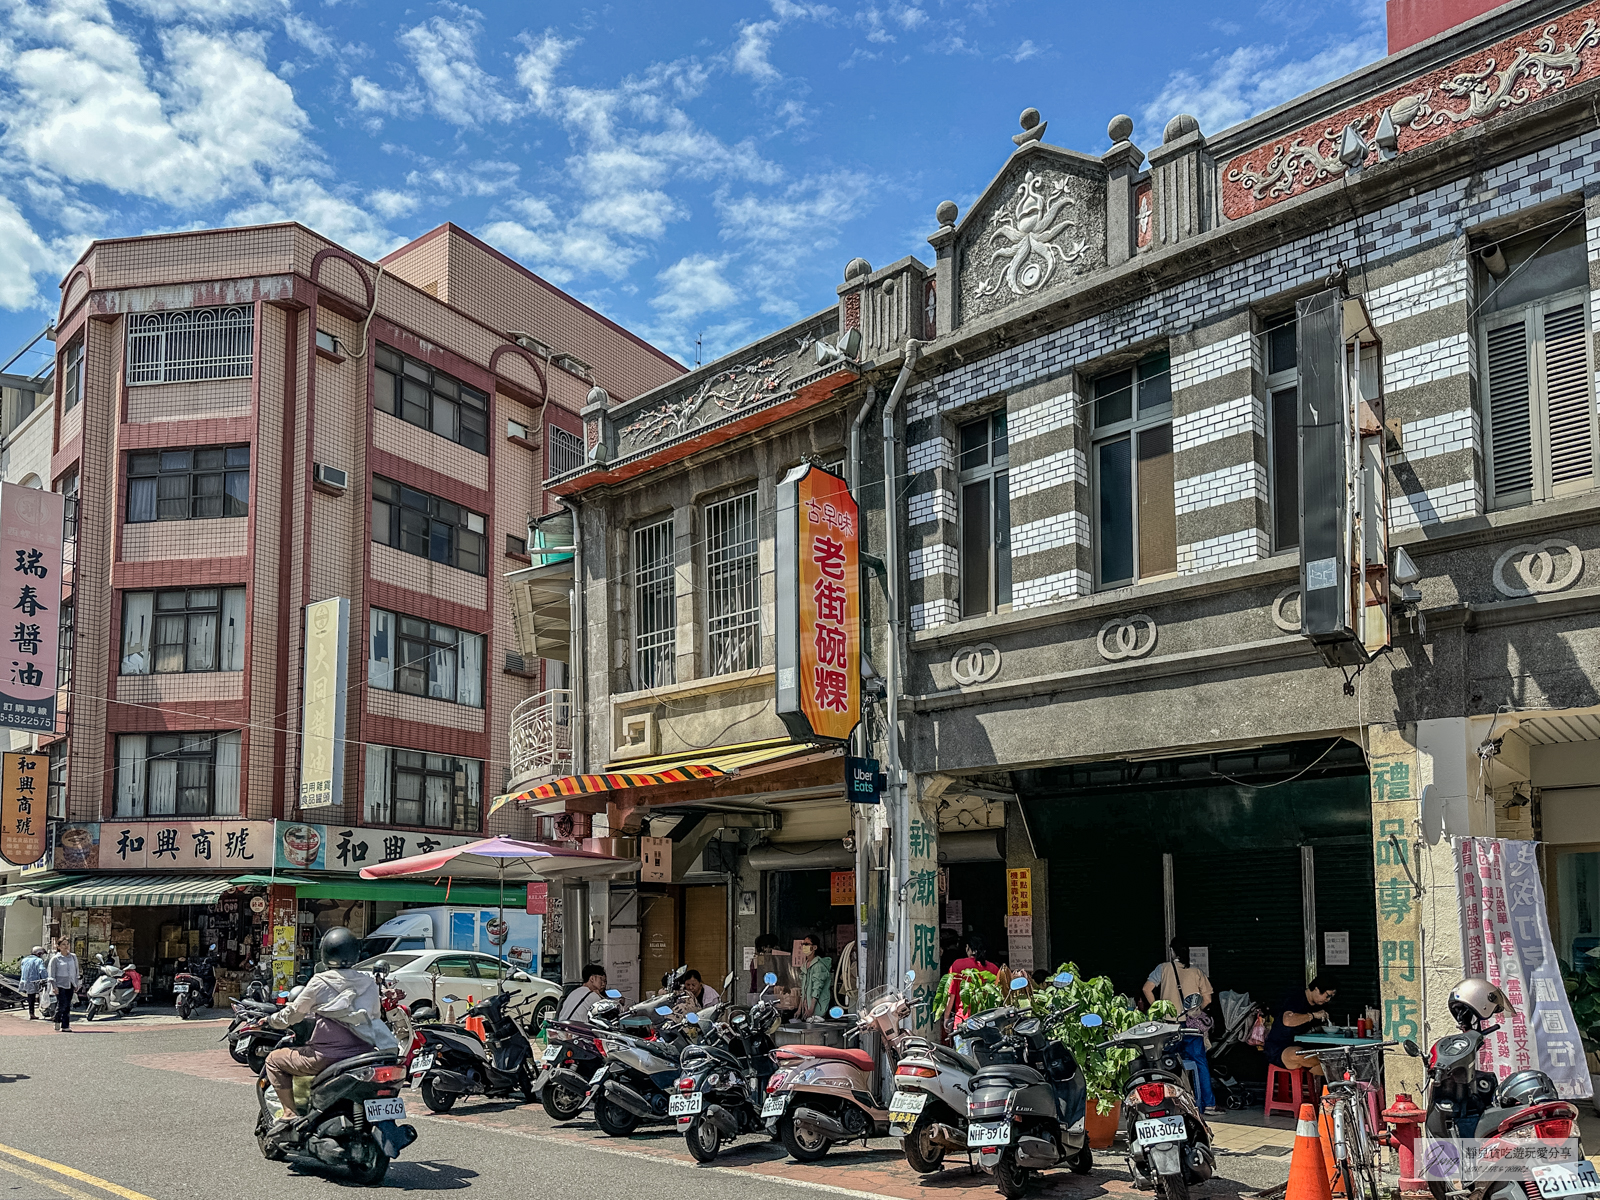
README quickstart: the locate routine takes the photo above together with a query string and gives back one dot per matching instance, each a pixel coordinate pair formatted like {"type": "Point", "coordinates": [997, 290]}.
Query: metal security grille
{"type": "Point", "coordinates": [566, 451]}
{"type": "Point", "coordinates": [655, 607]}
{"type": "Point", "coordinates": [179, 347]}
{"type": "Point", "coordinates": [733, 585]}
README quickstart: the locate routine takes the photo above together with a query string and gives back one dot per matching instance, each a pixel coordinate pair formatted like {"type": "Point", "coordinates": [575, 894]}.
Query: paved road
{"type": "Point", "coordinates": [157, 1110]}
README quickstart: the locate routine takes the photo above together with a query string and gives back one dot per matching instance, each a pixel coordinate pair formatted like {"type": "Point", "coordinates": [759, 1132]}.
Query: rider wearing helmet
{"type": "Point", "coordinates": [337, 985]}
{"type": "Point", "coordinates": [1474, 1001]}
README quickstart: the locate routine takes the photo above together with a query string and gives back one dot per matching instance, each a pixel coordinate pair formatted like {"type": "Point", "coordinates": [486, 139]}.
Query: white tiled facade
{"type": "Point", "coordinates": [1228, 550]}
{"type": "Point", "coordinates": [931, 507]}
{"type": "Point", "coordinates": [1464, 499]}
{"type": "Point", "coordinates": [1049, 533]}
{"type": "Point", "coordinates": [1418, 294]}
{"type": "Point", "coordinates": [1441, 434]}
{"type": "Point", "coordinates": [1244, 415]}
{"type": "Point", "coordinates": [1423, 364]}
{"type": "Point", "coordinates": [1237, 353]}
{"type": "Point", "coordinates": [1064, 466]}
{"type": "Point", "coordinates": [1242, 481]}
{"type": "Point", "coordinates": [1063, 585]}
{"type": "Point", "coordinates": [938, 559]}
{"type": "Point", "coordinates": [1058, 412]}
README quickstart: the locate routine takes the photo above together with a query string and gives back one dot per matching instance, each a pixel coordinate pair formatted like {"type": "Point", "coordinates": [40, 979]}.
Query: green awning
{"type": "Point", "coordinates": [120, 891]}
{"type": "Point", "coordinates": [409, 891]}
{"type": "Point", "coordinates": [24, 892]}
{"type": "Point", "coordinates": [268, 880]}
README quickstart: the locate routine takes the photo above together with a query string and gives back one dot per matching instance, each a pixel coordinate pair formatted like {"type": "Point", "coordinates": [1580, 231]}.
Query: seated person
{"type": "Point", "coordinates": [700, 995]}
{"type": "Point", "coordinates": [1302, 1010]}
{"type": "Point", "coordinates": [583, 997]}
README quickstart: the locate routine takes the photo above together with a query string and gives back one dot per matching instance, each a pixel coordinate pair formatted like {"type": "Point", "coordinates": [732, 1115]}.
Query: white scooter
{"type": "Point", "coordinates": [113, 993]}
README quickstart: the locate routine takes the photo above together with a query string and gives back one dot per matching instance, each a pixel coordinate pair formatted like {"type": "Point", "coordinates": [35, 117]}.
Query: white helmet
{"type": "Point", "coordinates": [1477, 1000]}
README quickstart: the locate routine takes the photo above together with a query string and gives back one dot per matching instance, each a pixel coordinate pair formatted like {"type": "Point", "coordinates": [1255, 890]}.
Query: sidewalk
{"type": "Point", "coordinates": [153, 1016]}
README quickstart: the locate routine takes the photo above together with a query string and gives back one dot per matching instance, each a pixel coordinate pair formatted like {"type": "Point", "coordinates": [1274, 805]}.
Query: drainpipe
{"type": "Point", "coordinates": [575, 898]}
{"type": "Point", "coordinates": [858, 742]}
{"type": "Point", "coordinates": [855, 439]}
{"type": "Point", "coordinates": [899, 807]}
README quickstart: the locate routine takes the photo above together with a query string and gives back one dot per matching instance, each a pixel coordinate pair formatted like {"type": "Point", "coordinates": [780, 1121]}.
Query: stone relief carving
{"type": "Point", "coordinates": [719, 395]}
{"type": "Point", "coordinates": [975, 664]}
{"type": "Point", "coordinates": [1513, 72]}
{"type": "Point", "coordinates": [1128, 639]}
{"type": "Point", "coordinates": [1281, 603]}
{"type": "Point", "coordinates": [1046, 225]}
{"type": "Point", "coordinates": [1551, 566]}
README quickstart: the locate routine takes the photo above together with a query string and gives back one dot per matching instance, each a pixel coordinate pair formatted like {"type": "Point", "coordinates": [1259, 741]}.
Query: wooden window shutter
{"type": "Point", "coordinates": [1510, 411]}
{"type": "Point", "coordinates": [1568, 400]}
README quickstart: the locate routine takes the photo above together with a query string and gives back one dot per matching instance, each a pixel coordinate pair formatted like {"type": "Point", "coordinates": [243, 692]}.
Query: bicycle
{"type": "Point", "coordinates": [1355, 1145]}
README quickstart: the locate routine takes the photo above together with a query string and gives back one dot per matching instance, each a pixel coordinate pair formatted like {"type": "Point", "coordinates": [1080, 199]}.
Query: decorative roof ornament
{"type": "Point", "coordinates": [1032, 127]}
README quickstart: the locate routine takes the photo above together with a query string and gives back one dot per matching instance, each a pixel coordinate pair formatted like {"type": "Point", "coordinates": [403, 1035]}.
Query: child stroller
{"type": "Point", "coordinates": [1238, 1068]}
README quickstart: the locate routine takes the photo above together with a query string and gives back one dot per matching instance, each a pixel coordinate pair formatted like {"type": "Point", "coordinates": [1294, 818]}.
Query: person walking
{"type": "Point", "coordinates": [1189, 991]}
{"type": "Point", "coordinates": [33, 979]}
{"type": "Point", "coordinates": [62, 973]}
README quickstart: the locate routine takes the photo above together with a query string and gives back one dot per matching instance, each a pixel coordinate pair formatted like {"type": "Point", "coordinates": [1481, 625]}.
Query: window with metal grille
{"type": "Point", "coordinates": [733, 585]}
{"type": "Point", "coordinates": [1283, 436]}
{"type": "Point", "coordinates": [655, 607]}
{"type": "Point", "coordinates": [185, 485]}
{"type": "Point", "coordinates": [985, 481]}
{"type": "Point", "coordinates": [181, 347]}
{"type": "Point", "coordinates": [1136, 520]}
{"type": "Point", "coordinates": [434, 791]}
{"type": "Point", "coordinates": [178, 775]}
{"type": "Point", "coordinates": [183, 629]}
{"type": "Point", "coordinates": [413, 391]}
{"type": "Point", "coordinates": [1538, 370]}
{"type": "Point", "coordinates": [428, 526]}
{"type": "Point", "coordinates": [566, 451]}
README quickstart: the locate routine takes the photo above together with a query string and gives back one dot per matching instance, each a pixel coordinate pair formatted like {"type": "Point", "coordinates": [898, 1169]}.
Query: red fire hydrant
{"type": "Point", "coordinates": [1406, 1118]}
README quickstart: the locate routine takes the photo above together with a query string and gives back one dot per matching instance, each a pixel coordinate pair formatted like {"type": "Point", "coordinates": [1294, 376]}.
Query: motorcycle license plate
{"type": "Point", "coordinates": [180, 988]}
{"type": "Point", "coordinates": [421, 1063]}
{"type": "Point", "coordinates": [989, 1135]}
{"type": "Point", "coordinates": [386, 1110]}
{"type": "Point", "coordinates": [1159, 1131]}
{"type": "Point", "coordinates": [1566, 1179]}
{"type": "Point", "coordinates": [905, 1106]}
{"type": "Point", "coordinates": [774, 1106]}
{"type": "Point", "coordinates": [685, 1106]}
{"type": "Point", "coordinates": [551, 1053]}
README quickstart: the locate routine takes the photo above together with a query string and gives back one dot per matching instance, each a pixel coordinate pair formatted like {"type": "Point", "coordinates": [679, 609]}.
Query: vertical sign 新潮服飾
{"type": "Point", "coordinates": [322, 723]}
{"type": "Point", "coordinates": [818, 607]}
{"type": "Point", "coordinates": [22, 826]}
{"type": "Point", "coordinates": [30, 558]}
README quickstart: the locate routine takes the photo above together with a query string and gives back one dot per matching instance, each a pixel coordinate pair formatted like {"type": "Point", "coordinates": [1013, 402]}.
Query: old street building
{"type": "Point", "coordinates": [1098, 497]}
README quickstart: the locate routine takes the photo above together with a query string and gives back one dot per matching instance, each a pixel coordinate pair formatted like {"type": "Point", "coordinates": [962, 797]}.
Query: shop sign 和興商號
{"type": "Point", "coordinates": [306, 847]}
{"type": "Point", "coordinates": [818, 611]}
{"type": "Point", "coordinates": [165, 846]}
{"type": "Point", "coordinates": [22, 794]}
{"type": "Point", "coordinates": [30, 559]}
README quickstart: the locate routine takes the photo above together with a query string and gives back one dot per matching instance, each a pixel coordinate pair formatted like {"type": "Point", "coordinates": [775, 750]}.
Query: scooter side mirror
{"type": "Point", "coordinates": [836, 1012]}
{"type": "Point", "coordinates": [693, 1018]}
{"type": "Point", "coordinates": [1411, 1048]}
{"type": "Point", "coordinates": [911, 976]}
{"type": "Point", "coordinates": [521, 977]}
{"type": "Point", "coordinates": [769, 978]}
{"type": "Point", "coordinates": [1091, 1021]}
{"type": "Point", "coordinates": [1062, 980]}
{"type": "Point", "coordinates": [613, 994]}
{"type": "Point", "coordinates": [448, 999]}
{"type": "Point", "coordinates": [663, 1010]}
{"type": "Point", "coordinates": [727, 981]}
{"type": "Point", "coordinates": [1018, 984]}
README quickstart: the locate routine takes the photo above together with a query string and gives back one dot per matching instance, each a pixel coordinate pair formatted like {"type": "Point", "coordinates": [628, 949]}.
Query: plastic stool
{"type": "Point", "coordinates": [1299, 1086]}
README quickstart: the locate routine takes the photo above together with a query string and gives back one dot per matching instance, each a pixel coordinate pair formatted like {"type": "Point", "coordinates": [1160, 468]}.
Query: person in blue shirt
{"type": "Point", "coordinates": [33, 980]}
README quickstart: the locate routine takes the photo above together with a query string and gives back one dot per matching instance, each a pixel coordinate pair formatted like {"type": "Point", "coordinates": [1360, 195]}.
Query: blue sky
{"type": "Point", "coordinates": [691, 170]}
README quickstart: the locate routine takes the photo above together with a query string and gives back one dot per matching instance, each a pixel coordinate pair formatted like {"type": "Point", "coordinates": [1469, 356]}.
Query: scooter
{"type": "Point", "coordinates": [640, 1072]}
{"type": "Point", "coordinates": [351, 1116]}
{"type": "Point", "coordinates": [259, 988]}
{"type": "Point", "coordinates": [824, 1094]}
{"type": "Point", "coordinates": [197, 988]}
{"type": "Point", "coordinates": [928, 1111]}
{"type": "Point", "coordinates": [246, 1012]}
{"type": "Point", "coordinates": [1169, 1142]}
{"type": "Point", "coordinates": [572, 1056]}
{"type": "Point", "coordinates": [452, 1062]}
{"type": "Point", "coordinates": [113, 993]}
{"type": "Point", "coordinates": [724, 1081]}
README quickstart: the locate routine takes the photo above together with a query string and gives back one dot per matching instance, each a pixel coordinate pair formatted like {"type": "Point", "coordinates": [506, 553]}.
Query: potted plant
{"type": "Point", "coordinates": [978, 991]}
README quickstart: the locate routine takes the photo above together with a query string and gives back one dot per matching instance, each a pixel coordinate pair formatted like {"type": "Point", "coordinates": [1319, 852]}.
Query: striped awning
{"type": "Point", "coordinates": [727, 761]}
{"type": "Point", "coordinates": [121, 891]}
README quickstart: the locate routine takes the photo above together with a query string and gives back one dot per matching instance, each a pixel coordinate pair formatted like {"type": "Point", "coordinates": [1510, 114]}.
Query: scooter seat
{"type": "Point", "coordinates": [377, 1058]}
{"type": "Point", "coordinates": [859, 1059]}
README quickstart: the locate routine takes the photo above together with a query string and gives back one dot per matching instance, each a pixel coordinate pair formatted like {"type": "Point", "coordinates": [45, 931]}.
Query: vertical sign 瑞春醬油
{"type": "Point", "coordinates": [322, 719]}
{"type": "Point", "coordinates": [30, 554]}
{"type": "Point", "coordinates": [818, 606]}
{"type": "Point", "coordinates": [23, 781]}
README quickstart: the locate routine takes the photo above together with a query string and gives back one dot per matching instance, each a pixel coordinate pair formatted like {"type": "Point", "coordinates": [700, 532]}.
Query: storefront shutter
{"type": "Point", "coordinates": [1345, 892]}
{"type": "Point", "coordinates": [1244, 907]}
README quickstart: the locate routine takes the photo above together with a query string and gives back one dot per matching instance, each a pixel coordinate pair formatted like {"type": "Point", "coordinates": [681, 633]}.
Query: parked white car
{"type": "Point", "coordinates": [429, 976]}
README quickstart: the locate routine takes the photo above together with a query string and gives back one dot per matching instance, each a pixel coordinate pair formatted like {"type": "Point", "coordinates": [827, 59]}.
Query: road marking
{"type": "Point", "coordinates": [105, 1185]}
{"type": "Point", "coordinates": [745, 1173]}
{"type": "Point", "coordinates": [71, 1193]}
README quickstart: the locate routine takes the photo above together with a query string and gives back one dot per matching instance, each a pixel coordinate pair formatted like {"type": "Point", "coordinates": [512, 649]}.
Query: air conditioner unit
{"type": "Point", "coordinates": [330, 477]}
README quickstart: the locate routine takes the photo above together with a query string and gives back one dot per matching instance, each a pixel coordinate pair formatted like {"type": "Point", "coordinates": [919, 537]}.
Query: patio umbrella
{"type": "Point", "coordinates": [498, 857]}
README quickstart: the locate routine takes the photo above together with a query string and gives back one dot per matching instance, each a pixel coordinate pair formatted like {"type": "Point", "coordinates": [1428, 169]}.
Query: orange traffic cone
{"type": "Point", "coordinates": [1308, 1171]}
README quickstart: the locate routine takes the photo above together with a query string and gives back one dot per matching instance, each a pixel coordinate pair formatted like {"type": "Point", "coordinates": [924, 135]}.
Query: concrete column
{"type": "Point", "coordinates": [1122, 163]}
{"type": "Point", "coordinates": [944, 246]}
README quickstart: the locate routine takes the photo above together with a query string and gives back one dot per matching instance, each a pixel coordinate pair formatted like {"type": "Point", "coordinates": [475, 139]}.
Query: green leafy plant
{"type": "Point", "coordinates": [979, 991]}
{"type": "Point", "coordinates": [1061, 1007]}
{"type": "Point", "coordinates": [1583, 991]}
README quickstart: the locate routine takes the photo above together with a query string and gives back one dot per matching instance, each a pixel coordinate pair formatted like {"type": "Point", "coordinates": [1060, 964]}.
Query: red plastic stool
{"type": "Point", "coordinates": [1299, 1085]}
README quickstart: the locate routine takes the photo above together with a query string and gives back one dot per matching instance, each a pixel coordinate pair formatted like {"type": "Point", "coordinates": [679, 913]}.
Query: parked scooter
{"type": "Point", "coordinates": [350, 1117]}
{"type": "Point", "coordinates": [259, 989]}
{"type": "Point", "coordinates": [824, 1094]}
{"type": "Point", "coordinates": [572, 1057]}
{"type": "Point", "coordinates": [1468, 1103]}
{"type": "Point", "coordinates": [1025, 1111]}
{"type": "Point", "coordinates": [247, 1012]}
{"type": "Point", "coordinates": [255, 1039]}
{"type": "Point", "coordinates": [452, 1062]}
{"type": "Point", "coordinates": [640, 1072]}
{"type": "Point", "coordinates": [1169, 1142]}
{"type": "Point", "coordinates": [113, 992]}
{"type": "Point", "coordinates": [195, 988]}
{"type": "Point", "coordinates": [928, 1111]}
{"type": "Point", "coordinates": [724, 1081]}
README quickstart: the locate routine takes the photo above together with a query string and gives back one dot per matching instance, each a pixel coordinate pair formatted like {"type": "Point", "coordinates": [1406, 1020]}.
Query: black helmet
{"type": "Point", "coordinates": [340, 948]}
{"type": "Point", "coordinates": [1525, 1088]}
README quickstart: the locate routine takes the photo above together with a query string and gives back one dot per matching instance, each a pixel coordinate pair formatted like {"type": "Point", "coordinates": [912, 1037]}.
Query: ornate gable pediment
{"type": "Point", "coordinates": [1040, 223]}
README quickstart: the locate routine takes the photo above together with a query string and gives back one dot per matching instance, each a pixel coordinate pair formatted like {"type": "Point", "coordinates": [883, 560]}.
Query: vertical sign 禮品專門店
{"type": "Point", "coordinates": [322, 720]}
{"type": "Point", "coordinates": [30, 556]}
{"type": "Point", "coordinates": [818, 606]}
{"type": "Point", "coordinates": [22, 825]}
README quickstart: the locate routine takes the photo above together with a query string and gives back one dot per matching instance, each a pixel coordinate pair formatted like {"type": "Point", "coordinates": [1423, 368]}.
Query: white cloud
{"type": "Point", "coordinates": [1236, 86]}
{"type": "Point", "coordinates": [333, 216]}
{"type": "Point", "coordinates": [373, 97]}
{"type": "Point", "coordinates": [1025, 50]}
{"type": "Point", "coordinates": [445, 54]}
{"type": "Point", "coordinates": [750, 51]}
{"type": "Point", "coordinates": [692, 286]}
{"type": "Point", "coordinates": [389, 203]}
{"type": "Point", "coordinates": [23, 255]}
{"type": "Point", "coordinates": [209, 12]}
{"type": "Point", "coordinates": [308, 34]}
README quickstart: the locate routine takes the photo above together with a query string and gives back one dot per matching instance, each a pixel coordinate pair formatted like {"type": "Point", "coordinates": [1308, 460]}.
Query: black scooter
{"type": "Point", "coordinates": [573, 1055]}
{"type": "Point", "coordinates": [1025, 1111]}
{"type": "Point", "coordinates": [195, 987]}
{"type": "Point", "coordinates": [350, 1117]}
{"type": "Point", "coordinates": [1169, 1142]}
{"type": "Point", "coordinates": [452, 1062]}
{"type": "Point", "coordinates": [724, 1082]}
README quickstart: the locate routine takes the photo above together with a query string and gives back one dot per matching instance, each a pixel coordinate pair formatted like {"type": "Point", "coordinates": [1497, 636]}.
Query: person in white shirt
{"type": "Point", "coordinates": [582, 998]}
{"type": "Point", "coordinates": [700, 993]}
{"type": "Point", "coordinates": [63, 974]}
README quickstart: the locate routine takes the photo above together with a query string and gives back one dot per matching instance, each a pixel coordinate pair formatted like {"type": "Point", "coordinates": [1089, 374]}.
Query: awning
{"type": "Point", "coordinates": [411, 891]}
{"type": "Point", "coordinates": [655, 772]}
{"type": "Point", "coordinates": [118, 891]}
{"type": "Point", "coordinates": [541, 609]}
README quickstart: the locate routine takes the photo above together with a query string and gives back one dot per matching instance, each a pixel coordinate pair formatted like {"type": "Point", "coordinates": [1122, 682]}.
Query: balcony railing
{"type": "Point", "coordinates": [541, 736]}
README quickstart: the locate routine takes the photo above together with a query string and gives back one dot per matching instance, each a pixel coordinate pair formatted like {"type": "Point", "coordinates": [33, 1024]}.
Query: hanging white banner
{"type": "Point", "coordinates": [1505, 938]}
